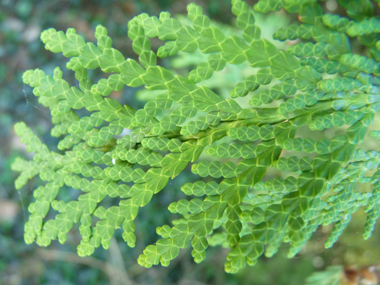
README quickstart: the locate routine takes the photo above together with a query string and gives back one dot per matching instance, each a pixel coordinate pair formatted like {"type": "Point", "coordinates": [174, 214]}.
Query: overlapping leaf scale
{"type": "Point", "coordinates": [217, 169]}
{"type": "Point", "coordinates": [233, 225]}
{"type": "Point", "coordinates": [332, 161]}
{"type": "Point", "coordinates": [233, 49]}
{"type": "Point", "coordinates": [369, 80]}
{"type": "Point", "coordinates": [112, 61]}
{"type": "Point", "coordinates": [337, 231]}
{"type": "Point", "coordinates": [278, 185]}
{"type": "Point", "coordinates": [110, 110]}
{"type": "Point", "coordinates": [192, 97]}
{"type": "Point", "coordinates": [251, 246]}
{"type": "Point", "coordinates": [230, 46]}
{"type": "Point", "coordinates": [49, 166]}
{"type": "Point", "coordinates": [245, 21]}
{"type": "Point", "coordinates": [365, 27]}
{"type": "Point", "coordinates": [162, 144]}
{"type": "Point", "coordinates": [210, 39]}
{"type": "Point", "coordinates": [336, 159]}
{"type": "Point", "coordinates": [292, 32]}
{"type": "Point", "coordinates": [141, 156]}
{"type": "Point", "coordinates": [251, 133]}
{"type": "Point", "coordinates": [308, 49]}
{"type": "Point", "coordinates": [323, 65]}
{"type": "Point", "coordinates": [200, 188]}
{"type": "Point", "coordinates": [199, 225]}
{"type": "Point", "coordinates": [153, 108]}
{"type": "Point", "coordinates": [362, 63]}
{"type": "Point", "coordinates": [286, 209]}
{"type": "Point", "coordinates": [278, 91]}
{"type": "Point", "coordinates": [361, 155]}
{"type": "Point", "coordinates": [56, 89]}
{"type": "Point", "coordinates": [69, 44]}
{"type": "Point", "coordinates": [346, 202]}
{"type": "Point", "coordinates": [85, 125]}
{"type": "Point", "coordinates": [123, 215]}
{"type": "Point", "coordinates": [372, 217]}
{"type": "Point", "coordinates": [251, 83]}
{"type": "Point", "coordinates": [340, 208]}
{"type": "Point", "coordinates": [272, 248]}
{"type": "Point", "coordinates": [294, 164]}
{"type": "Point", "coordinates": [149, 183]}
{"type": "Point", "coordinates": [309, 10]}
{"type": "Point", "coordinates": [177, 117]}
{"type": "Point", "coordinates": [102, 232]}
{"type": "Point", "coordinates": [375, 197]}
{"type": "Point", "coordinates": [178, 37]}
{"type": "Point", "coordinates": [297, 237]}
{"type": "Point", "coordinates": [266, 6]}
{"type": "Point", "coordinates": [336, 119]}
{"type": "Point", "coordinates": [307, 231]}
{"type": "Point", "coordinates": [205, 70]}
{"type": "Point", "coordinates": [201, 123]}
{"type": "Point", "coordinates": [299, 102]}
{"type": "Point", "coordinates": [44, 159]}
{"type": "Point", "coordinates": [339, 84]}
{"type": "Point", "coordinates": [212, 207]}
{"type": "Point", "coordinates": [141, 44]}
{"type": "Point", "coordinates": [336, 22]}
{"type": "Point", "coordinates": [234, 150]}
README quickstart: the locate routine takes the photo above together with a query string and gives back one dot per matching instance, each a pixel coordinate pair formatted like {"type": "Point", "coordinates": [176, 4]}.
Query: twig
{"type": "Point", "coordinates": [48, 254]}
{"type": "Point", "coordinates": [118, 263]}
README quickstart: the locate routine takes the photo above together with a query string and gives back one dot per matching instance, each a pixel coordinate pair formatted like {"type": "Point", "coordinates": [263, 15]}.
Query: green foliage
{"type": "Point", "coordinates": [318, 85]}
{"type": "Point", "coordinates": [332, 276]}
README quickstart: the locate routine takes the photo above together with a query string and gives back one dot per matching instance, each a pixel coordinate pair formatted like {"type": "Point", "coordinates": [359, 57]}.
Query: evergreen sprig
{"type": "Point", "coordinates": [317, 84]}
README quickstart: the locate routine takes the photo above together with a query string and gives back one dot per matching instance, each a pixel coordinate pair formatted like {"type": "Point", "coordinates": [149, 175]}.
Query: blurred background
{"type": "Point", "coordinates": [21, 22]}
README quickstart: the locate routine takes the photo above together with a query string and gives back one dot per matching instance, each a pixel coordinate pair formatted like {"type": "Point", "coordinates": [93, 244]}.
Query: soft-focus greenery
{"type": "Point", "coordinates": [21, 49]}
